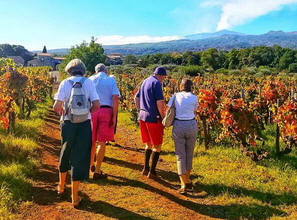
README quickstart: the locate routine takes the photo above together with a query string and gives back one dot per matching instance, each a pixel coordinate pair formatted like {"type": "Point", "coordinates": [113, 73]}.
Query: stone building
{"type": "Point", "coordinates": [46, 59]}
{"type": "Point", "coordinates": [114, 59]}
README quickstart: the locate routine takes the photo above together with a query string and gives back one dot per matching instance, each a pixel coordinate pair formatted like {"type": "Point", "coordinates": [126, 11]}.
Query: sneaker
{"type": "Point", "coordinates": [189, 187]}
{"type": "Point", "coordinates": [98, 176]}
{"type": "Point", "coordinates": [93, 168]}
{"type": "Point", "coordinates": [182, 191]}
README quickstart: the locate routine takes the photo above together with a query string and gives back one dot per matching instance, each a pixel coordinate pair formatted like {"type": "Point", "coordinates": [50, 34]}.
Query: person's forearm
{"type": "Point", "coordinates": [161, 108]}
{"type": "Point", "coordinates": [115, 104]}
{"type": "Point", "coordinates": [95, 106]}
{"type": "Point", "coordinates": [137, 102]}
{"type": "Point", "coordinates": [58, 107]}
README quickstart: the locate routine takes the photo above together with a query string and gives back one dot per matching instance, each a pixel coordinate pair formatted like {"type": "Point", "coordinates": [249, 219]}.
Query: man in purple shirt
{"type": "Point", "coordinates": [151, 106]}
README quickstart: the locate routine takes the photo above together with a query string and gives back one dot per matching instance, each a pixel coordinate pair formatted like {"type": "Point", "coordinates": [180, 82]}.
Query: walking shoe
{"type": "Point", "coordinates": [189, 187]}
{"type": "Point", "coordinates": [182, 191]}
{"type": "Point", "coordinates": [98, 176]}
{"type": "Point", "coordinates": [93, 168]}
{"type": "Point", "coordinates": [145, 171]}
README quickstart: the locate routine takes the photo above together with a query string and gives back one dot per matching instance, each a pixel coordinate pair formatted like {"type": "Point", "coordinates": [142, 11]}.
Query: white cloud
{"type": "Point", "coordinates": [237, 12]}
{"type": "Point", "coordinates": [120, 40]}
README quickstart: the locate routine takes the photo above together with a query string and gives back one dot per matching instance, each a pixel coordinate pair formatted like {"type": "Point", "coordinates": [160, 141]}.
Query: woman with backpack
{"type": "Point", "coordinates": [72, 102]}
{"type": "Point", "coordinates": [184, 132]}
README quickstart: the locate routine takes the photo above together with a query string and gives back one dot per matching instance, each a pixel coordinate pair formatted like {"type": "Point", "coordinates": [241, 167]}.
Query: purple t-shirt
{"type": "Point", "coordinates": [149, 93]}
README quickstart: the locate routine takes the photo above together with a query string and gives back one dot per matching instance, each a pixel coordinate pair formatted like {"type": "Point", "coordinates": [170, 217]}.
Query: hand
{"type": "Point", "coordinates": [113, 121]}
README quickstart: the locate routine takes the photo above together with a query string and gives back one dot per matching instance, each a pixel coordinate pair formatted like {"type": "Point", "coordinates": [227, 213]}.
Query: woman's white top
{"type": "Point", "coordinates": [65, 88]}
{"type": "Point", "coordinates": [185, 104]}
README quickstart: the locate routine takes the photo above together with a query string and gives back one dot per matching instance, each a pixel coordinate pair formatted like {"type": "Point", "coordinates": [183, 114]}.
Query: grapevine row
{"type": "Point", "coordinates": [235, 108]}
{"type": "Point", "coordinates": [20, 90]}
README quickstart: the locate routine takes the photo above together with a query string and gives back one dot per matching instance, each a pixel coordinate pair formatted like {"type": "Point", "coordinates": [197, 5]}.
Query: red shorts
{"type": "Point", "coordinates": [152, 132]}
{"type": "Point", "coordinates": [101, 129]}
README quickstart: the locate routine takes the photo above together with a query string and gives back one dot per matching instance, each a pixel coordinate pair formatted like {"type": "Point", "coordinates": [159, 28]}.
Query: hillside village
{"type": "Point", "coordinates": [45, 58]}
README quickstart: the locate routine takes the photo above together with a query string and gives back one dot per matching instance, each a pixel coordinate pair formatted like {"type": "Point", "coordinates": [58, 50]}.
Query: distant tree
{"type": "Point", "coordinates": [91, 54]}
{"type": "Point", "coordinates": [287, 58]}
{"type": "Point", "coordinates": [130, 59]}
{"type": "Point", "coordinates": [292, 68]}
{"type": "Point", "coordinates": [166, 59]}
{"type": "Point", "coordinates": [233, 59]}
{"type": "Point", "coordinates": [44, 50]}
{"type": "Point", "coordinates": [261, 56]}
{"type": "Point", "coordinates": [211, 58]}
{"type": "Point", "coordinates": [191, 58]}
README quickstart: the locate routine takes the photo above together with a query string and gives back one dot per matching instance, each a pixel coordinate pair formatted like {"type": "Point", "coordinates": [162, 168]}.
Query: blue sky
{"type": "Point", "coordinates": [64, 23]}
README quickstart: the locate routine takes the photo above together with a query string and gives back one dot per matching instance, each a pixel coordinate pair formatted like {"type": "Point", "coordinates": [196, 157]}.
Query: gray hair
{"type": "Point", "coordinates": [100, 68]}
{"type": "Point", "coordinates": [75, 67]}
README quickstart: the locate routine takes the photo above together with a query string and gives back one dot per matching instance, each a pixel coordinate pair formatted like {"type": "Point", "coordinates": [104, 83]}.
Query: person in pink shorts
{"type": "Point", "coordinates": [104, 119]}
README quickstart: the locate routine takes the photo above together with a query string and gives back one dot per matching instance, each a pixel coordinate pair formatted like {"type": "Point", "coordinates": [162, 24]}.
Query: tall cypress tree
{"type": "Point", "coordinates": [44, 50]}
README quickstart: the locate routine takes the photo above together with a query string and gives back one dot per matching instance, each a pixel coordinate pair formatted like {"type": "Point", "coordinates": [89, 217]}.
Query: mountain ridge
{"type": "Point", "coordinates": [222, 40]}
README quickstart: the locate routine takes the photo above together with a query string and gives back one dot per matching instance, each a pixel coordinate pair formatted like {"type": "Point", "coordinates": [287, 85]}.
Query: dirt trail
{"type": "Point", "coordinates": [125, 195]}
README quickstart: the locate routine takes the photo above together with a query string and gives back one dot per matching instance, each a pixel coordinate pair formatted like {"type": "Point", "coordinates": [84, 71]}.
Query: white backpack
{"type": "Point", "coordinates": [78, 107]}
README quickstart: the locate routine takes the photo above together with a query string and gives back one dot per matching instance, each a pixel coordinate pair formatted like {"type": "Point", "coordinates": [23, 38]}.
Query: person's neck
{"type": "Point", "coordinates": [158, 77]}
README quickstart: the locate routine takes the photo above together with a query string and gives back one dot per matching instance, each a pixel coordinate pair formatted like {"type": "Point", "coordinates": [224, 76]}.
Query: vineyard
{"type": "Point", "coordinates": [21, 89]}
{"type": "Point", "coordinates": [257, 114]}
{"type": "Point", "coordinates": [232, 109]}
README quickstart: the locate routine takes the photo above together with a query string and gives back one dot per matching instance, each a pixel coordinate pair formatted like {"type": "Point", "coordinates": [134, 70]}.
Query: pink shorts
{"type": "Point", "coordinates": [101, 129]}
{"type": "Point", "coordinates": [152, 132]}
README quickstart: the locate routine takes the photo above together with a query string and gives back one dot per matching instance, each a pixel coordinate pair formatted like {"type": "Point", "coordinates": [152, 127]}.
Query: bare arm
{"type": "Point", "coordinates": [161, 107]}
{"type": "Point", "coordinates": [115, 107]}
{"type": "Point", "coordinates": [95, 106]}
{"type": "Point", "coordinates": [137, 102]}
{"type": "Point", "coordinates": [58, 107]}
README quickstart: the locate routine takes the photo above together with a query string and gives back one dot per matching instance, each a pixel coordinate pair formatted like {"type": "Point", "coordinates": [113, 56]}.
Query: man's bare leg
{"type": "Point", "coordinates": [100, 157]}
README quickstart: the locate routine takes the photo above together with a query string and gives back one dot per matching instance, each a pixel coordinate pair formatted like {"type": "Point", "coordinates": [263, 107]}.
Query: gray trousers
{"type": "Point", "coordinates": [184, 135]}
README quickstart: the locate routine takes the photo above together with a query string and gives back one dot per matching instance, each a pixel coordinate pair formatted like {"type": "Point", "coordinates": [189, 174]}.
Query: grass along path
{"type": "Point", "coordinates": [228, 184]}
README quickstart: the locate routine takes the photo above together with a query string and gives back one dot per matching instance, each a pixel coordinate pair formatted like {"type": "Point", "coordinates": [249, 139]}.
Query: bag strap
{"type": "Point", "coordinates": [83, 80]}
{"type": "Point", "coordinates": [173, 101]}
{"type": "Point", "coordinates": [71, 82]}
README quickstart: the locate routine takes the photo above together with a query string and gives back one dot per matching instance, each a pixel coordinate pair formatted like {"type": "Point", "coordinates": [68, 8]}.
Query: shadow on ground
{"type": "Point", "coordinates": [233, 211]}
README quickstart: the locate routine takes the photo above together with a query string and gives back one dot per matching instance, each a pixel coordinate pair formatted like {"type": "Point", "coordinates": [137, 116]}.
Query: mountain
{"type": "Point", "coordinates": [222, 40]}
{"type": "Point", "coordinates": [15, 50]}
{"type": "Point", "coordinates": [225, 40]}
{"type": "Point", "coordinates": [211, 35]}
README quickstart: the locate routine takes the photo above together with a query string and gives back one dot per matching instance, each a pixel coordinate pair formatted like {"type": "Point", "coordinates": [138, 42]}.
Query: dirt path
{"type": "Point", "coordinates": [125, 195]}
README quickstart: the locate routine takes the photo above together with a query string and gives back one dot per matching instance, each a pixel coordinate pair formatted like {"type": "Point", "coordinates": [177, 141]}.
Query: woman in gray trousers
{"type": "Point", "coordinates": [184, 132]}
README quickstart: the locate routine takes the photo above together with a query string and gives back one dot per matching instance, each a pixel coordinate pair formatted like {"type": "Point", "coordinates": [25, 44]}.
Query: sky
{"type": "Point", "coordinates": [66, 23]}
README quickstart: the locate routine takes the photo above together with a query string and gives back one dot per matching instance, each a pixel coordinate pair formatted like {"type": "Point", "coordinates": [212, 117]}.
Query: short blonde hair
{"type": "Point", "coordinates": [75, 67]}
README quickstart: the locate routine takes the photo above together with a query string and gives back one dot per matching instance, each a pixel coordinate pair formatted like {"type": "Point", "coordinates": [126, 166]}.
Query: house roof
{"type": "Point", "coordinates": [44, 54]}
{"type": "Point", "coordinates": [59, 58]}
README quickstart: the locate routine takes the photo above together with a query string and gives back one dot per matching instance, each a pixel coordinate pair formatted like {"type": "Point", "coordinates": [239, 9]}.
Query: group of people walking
{"type": "Point", "coordinates": [88, 109]}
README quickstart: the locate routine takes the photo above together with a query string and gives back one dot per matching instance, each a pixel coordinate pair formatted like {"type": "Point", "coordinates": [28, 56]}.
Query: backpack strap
{"type": "Point", "coordinates": [83, 79]}
{"type": "Point", "coordinates": [71, 82]}
{"type": "Point", "coordinates": [173, 101]}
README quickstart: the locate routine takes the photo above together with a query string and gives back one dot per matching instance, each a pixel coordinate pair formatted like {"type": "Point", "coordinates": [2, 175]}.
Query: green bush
{"type": "Point", "coordinates": [191, 70]}
{"type": "Point", "coordinates": [293, 68]}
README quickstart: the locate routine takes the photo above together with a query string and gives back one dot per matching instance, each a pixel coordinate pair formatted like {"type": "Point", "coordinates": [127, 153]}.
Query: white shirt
{"type": "Point", "coordinates": [65, 87]}
{"type": "Point", "coordinates": [185, 104]}
{"type": "Point", "coordinates": [106, 87]}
